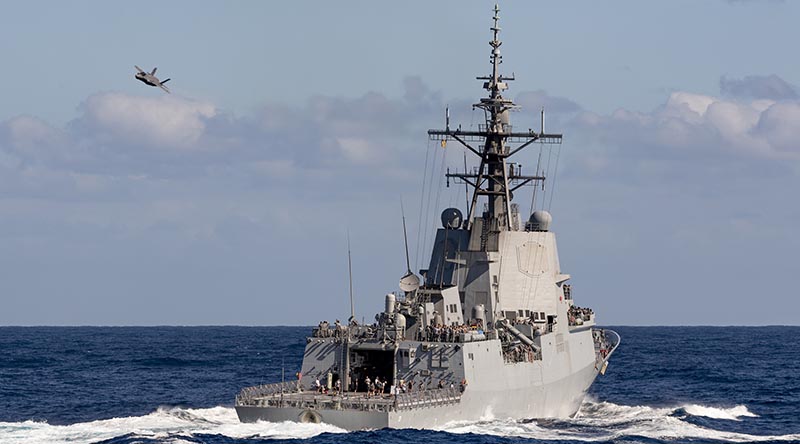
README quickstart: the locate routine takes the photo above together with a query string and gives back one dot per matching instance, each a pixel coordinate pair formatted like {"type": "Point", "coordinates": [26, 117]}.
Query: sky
{"type": "Point", "coordinates": [291, 124]}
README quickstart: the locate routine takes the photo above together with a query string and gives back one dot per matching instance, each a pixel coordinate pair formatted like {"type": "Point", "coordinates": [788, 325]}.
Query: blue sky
{"type": "Point", "coordinates": [228, 202]}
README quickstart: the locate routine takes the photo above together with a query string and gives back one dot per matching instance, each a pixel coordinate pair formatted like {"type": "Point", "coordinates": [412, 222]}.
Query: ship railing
{"type": "Point", "coordinates": [389, 333]}
{"type": "Point", "coordinates": [271, 396]}
{"type": "Point", "coordinates": [330, 332]}
{"type": "Point", "coordinates": [314, 400]}
{"type": "Point", "coordinates": [504, 128]}
{"type": "Point", "coordinates": [395, 333]}
{"type": "Point", "coordinates": [452, 334]}
{"type": "Point", "coordinates": [427, 398]}
{"type": "Point", "coordinates": [605, 342]}
{"type": "Point", "coordinates": [248, 394]}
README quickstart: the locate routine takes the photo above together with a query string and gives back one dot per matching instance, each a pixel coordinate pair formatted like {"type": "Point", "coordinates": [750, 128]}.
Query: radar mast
{"type": "Point", "coordinates": [494, 178]}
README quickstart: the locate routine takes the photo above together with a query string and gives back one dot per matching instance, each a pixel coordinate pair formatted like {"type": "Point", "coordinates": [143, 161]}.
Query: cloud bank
{"type": "Point", "coordinates": [134, 186]}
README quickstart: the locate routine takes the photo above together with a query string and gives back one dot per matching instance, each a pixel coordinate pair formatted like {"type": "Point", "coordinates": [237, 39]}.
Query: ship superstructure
{"type": "Point", "coordinates": [491, 331]}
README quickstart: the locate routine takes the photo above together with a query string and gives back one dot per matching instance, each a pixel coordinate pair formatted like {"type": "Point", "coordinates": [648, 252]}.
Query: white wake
{"type": "Point", "coordinates": [733, 413]}
{"type": "Point", "coordinates": [605, 421]}
{"type": "Point", "coordinates": [162, 423]}
{"type": "Point", "coordinates": [596, 421]}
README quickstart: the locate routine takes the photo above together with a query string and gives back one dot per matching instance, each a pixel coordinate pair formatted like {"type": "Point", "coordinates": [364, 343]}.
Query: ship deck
{"type": "Point", "coordinates": [288, 395]}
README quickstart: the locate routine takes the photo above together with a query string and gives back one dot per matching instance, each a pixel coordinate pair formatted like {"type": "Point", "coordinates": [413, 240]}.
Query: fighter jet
{"type": "Point", "coordinates": [150, 78]}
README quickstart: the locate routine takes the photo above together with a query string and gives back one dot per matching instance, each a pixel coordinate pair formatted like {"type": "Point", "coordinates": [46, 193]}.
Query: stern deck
{"type": "Point", "coordinates": [290, 395]}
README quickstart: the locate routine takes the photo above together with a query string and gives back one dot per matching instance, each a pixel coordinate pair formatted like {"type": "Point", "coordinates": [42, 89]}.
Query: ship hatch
{"type": "Point", "coordinates": [372, 363]}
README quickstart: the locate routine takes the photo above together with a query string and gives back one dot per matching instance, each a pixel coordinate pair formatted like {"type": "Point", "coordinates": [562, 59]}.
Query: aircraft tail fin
{"type": "Point", "coordinates": [154, 71]}
{"type": "Point", "coordinates": [165, 81]}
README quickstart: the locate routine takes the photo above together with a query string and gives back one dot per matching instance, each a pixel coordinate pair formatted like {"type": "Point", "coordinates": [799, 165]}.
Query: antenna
{"type": "Point", "coordinates": [409, 282]}
{"type": "Point", "coordinates": [350, 272]}
{"type": "Point", "coordinates": [447, 117]}
{"type": "Point", "coordinates": [466, 185]}
{"type": "Point", "coordinates": [542, 120]}
{"type": "Point", "coordinates": [405, 235]}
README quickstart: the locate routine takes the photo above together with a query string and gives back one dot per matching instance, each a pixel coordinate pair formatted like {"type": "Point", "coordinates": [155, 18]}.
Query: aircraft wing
{"type": "Point", "coordinates": [140, 69]}
{"type": "Point", "coordinates": [163, 87]}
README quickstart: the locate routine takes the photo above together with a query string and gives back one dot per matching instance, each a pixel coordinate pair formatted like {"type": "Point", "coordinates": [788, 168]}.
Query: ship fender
{"type": "Point", "coordinates": [524, 339]}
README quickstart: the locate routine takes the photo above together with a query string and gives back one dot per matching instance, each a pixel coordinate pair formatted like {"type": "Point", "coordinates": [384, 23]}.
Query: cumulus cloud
{"type": "Point", "coordinates": [28, 138]}
{"type": "Point", "coordinates": [118, 136]}
{"type": "Point", "coordinates": [164, 122]}
{"type": "Point", "coordinates": [778, 125]}
{"type": "Point", "coordinates": [701, 125]}
{"type": "Point", "coordinates": [182, 185]}
{"type": "Point", "coordinates": [769, 87]}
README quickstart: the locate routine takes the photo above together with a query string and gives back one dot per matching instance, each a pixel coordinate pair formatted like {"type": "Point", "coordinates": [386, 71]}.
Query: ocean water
{"type": "Point", "coordinates": [177, 384]}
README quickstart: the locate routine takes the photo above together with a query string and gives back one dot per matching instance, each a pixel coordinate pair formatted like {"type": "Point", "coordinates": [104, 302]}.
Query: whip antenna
{"type": "Point", "coordinates": [409, 282]}
{"type": "Point", "coordinates": [405, 235]}
{"type": "Point", "coordinates": [350, 272]}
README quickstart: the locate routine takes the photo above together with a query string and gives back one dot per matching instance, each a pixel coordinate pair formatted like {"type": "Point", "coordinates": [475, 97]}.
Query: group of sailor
{"type": "Point", "coordinates": [578, 315]}
{"type": "Point", "coordinates": [324, 330]}
{"type": "Point", "coordinates": [408, 387]}
{"type": "Point", "coordinates": [601, 342]}
{"type": "Point", "coordinates": [375, 387]}
{"type": "Point", "coordinates": [446, 333]}
{"type": "Point", "coordinates": [335, 389]}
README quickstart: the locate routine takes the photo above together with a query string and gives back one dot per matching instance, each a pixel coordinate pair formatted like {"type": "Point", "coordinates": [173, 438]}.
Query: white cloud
{"type": "Point", "coordinates": [164, 122]}
{"type": "Point", "coordinates": [195, 194]}
{"type": "Point", "coordinates": [779, 125]}
{"type": "Point", "coordinates": [769, 87]}
{"type": "Point", "coordinates": [26, 137]}
{"type": "Point", "coordinates": [701, 124]}
{"type": "Point", "coordinates": [694, 102]}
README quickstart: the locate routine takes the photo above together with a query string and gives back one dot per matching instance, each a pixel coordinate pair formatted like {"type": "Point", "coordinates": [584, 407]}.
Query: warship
{"type": "Point", "coordinates": [490, 331]}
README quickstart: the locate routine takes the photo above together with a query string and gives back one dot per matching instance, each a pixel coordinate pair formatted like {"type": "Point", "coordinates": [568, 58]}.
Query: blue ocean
{"type": "Point", "coordinates": [121, 385]}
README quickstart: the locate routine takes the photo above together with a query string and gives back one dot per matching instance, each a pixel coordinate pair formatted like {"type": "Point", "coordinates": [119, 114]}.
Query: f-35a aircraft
{"type": "Point", "coordinates": [150, 78]}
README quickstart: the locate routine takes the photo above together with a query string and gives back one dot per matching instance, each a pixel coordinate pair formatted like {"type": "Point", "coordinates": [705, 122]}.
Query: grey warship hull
{"type": "Point", "coordinates": [522, 402]}
{"type": "Point", "coordinates": [490, 331]}
{"type": "Point", "coordinates": [498, 389]}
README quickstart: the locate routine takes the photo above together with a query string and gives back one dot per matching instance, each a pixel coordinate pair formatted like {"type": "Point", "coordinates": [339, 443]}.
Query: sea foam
{"type": "Point", "coordinates": [596, 421]}
{"type": "Point", "coordinates": [606, 421]}
{"type": "Point", "coordinates": [167, 424]}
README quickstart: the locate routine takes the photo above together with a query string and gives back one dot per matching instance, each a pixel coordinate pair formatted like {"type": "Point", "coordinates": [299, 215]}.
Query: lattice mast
{"type": "Point", "coordinates": [495, 177]}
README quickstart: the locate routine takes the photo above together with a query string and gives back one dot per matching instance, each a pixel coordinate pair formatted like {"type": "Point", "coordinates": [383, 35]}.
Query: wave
{"type": "Point", "coordinates": [165, 424]}
{"type": "Point", "coordinates": [606, 421]}
{"type": "Point", "coordinates": [596, 421]}
{"type": "Point", "coordinates": [733, 413]}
